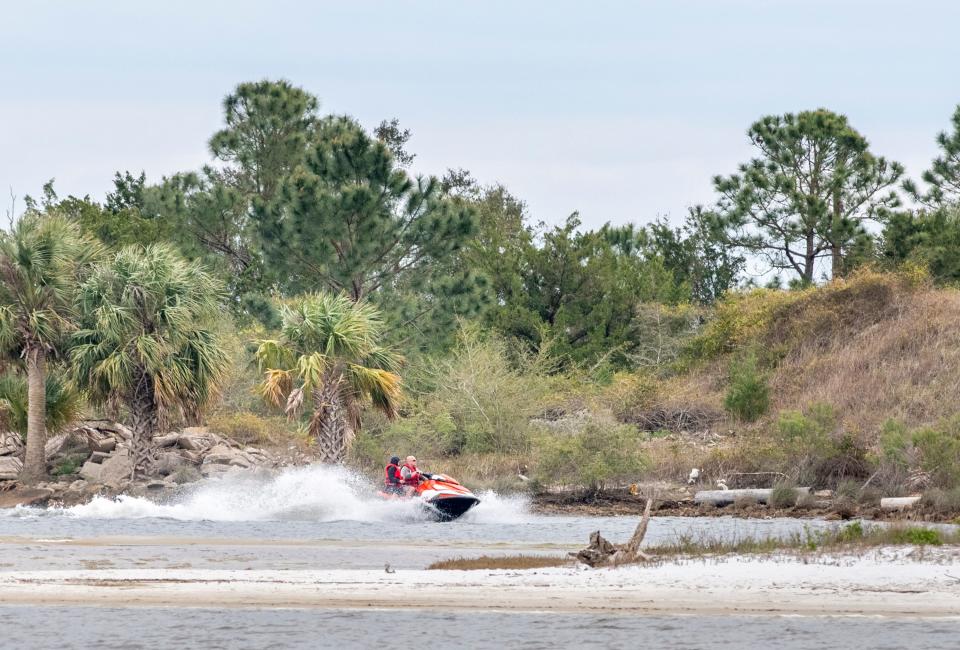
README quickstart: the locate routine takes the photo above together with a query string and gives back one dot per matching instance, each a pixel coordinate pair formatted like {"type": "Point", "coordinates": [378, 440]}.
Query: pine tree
{"type": "Point", "coordinates": [349, 219]}
{"type": "Point", "coordinates": [809, 194]}
{"type": "Point", "coordinates": [943, 177]}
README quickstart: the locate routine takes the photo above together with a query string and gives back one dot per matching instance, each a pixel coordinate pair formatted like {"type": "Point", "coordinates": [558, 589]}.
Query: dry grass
{"type": "Point", "coordinates": [875, 347]}
{"type": "Point", "coordinates": [486, 562]}
{"type": "Point", "coordinates": [906, 366]}
{"type": "Point", "coordinates": [498, 472]}
{"type": "Point", "coordinates": [849, 537]}
{"type": "Point", "coordinates": [852, 537]}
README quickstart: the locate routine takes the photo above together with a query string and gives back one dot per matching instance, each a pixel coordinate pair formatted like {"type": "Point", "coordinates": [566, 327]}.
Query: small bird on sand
{"type": "Point", "coordinates": [388, 569]}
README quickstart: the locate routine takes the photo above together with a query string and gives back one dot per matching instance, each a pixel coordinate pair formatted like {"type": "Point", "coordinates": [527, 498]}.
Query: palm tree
{"type": "Point", "coordinates": [330, 349]}
{"type": "Point", "coordinates": [41, 260]}
{"type": "Point", "coordinates": [143, 342]}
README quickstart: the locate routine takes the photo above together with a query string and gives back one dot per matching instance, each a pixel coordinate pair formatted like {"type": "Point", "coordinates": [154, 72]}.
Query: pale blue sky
{"type": "Point", "coordinates": [622, 110]}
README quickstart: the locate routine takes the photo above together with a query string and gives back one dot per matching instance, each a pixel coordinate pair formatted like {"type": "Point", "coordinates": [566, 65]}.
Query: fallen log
{"type": "Point", "coordinates": [898, 503]}
{"type": "Point", "coordinates": [726, 497]}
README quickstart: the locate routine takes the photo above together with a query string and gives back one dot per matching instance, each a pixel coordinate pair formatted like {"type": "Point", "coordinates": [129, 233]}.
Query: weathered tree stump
{"type": "Point", "coordinates": [601, 552]}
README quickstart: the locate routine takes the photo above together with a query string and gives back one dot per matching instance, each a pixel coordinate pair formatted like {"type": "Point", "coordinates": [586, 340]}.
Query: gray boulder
{"type": "Point", "coordinates": [10, 468]}
{"type": "Point", "coordinates": [10, 443]}
{"type": "Point", "coordinates": [196, 441]}
{"type": "Point", "coordinates": [168, 462]}
{"type": "Point", "coordinates": [223, 455]}
{"type": "Point", "coordinates": [112, 472]}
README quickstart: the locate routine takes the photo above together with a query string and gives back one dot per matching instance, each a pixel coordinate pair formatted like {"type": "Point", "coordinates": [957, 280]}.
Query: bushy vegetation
{"type": "Point", "coordinates": [747, 396]}
{"type": "Point", "coordinates": [783, 495]}
{"type": "Point", "coordinates": [381, 313]}
{"type": "Point", "coordinates": [594, 457]}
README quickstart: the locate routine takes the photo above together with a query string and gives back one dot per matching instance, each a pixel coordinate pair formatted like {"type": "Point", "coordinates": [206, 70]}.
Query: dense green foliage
{"type": "Point", "coordinates": [747, 396]}
{"type": "Point", "coordinates": [144, 343]}
{"type": "Point", "coordinates": [62, 402]}
{"type": "Point", "coordinates": [943, 177]}
{"type": "Point", "coordinates": [307, 263]}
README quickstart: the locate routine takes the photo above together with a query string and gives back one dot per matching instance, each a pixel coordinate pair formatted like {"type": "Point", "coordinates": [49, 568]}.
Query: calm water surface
{"type": "Point", "coordinates": [66, 628]}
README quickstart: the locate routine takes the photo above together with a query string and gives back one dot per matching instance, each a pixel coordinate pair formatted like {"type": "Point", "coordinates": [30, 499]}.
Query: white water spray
{"type": "Point", "coordinates": [315, 493]}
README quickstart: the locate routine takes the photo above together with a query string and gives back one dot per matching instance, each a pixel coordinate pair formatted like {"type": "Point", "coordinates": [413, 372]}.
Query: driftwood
{"type": "Point", "coordinates": [726, 497]}
{"type": "Point", "coordinates": [898, 503]}
{"type": "Point", "coordinates": [601, 552]}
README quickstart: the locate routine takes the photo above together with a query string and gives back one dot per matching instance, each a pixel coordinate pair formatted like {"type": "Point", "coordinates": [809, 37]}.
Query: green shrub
{"type": "Point", "coordinates": [740, 318]}
{"type": "Point", "coordinates": [423, 434]}
{"type": "Point", "coordinates": [895, 445]}
{"type": "Point", "coordinates": [592, 458]}
{"type": "Point", "coordinates": [939, 452]}
{"type": "Point", "coordinates": [628, 395]}
{"type": "Point", "coordinates": [69, 465]}
{"type": "Point", "coordinates": [933, 450]}
{"type": "Point", "coordinates": [63, 402]}
{"type": "Point", "coordinates": [850, 533]}
{"type": "Point", "coordinates": [918, 536]}
{"type": "Point", "coordinates": [816, 454]}
{"type": "Point", "coordinates": [783, 495]}
{"type": "Point", "coordinates": [747, 395]}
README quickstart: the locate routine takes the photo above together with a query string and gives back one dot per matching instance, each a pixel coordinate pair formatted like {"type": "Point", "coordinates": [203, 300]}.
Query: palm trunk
{"type": "Point", "coordinates": [328, 425]}
{"type": "Point", "coordinates": [143, 424]}
{"type": "Point", "coordinates": [35, 462]}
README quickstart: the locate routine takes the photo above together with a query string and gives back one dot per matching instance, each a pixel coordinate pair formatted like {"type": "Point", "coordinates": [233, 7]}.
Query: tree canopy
{"type": "Point", "coordinates": [943, 177]}
{"type": "Point", "coordinates": [808, 194]}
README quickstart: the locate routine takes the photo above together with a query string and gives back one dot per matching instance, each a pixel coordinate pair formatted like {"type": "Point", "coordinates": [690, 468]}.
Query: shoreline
{"type": "Point", "coordinates": [885, 582]}
{"type": "Point", "coordinates": [612, 504]}
{"type": "Point", "coordinates": [622, 503]}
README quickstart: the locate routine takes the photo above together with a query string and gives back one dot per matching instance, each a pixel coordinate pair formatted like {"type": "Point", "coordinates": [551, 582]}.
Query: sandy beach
{"type": "Point", "coordinates": [885, 582]}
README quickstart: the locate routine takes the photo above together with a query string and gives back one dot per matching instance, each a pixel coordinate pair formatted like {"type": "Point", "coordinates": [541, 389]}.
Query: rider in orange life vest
{"type": "Point", "coordinates": [391, 479]}
{"type": "Point", "coordinates": [410, 476]}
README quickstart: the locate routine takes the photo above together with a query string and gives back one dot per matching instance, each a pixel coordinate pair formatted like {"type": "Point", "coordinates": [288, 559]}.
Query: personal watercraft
{"type": "Point", "coordinates": [441, 495]}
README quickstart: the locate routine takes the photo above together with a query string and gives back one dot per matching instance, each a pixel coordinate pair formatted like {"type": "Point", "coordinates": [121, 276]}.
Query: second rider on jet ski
{"type": "Point", "coordinates": [410, 476]}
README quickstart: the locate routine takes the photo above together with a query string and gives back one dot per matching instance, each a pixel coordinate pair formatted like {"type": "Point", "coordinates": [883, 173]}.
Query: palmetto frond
{"type": "Point", "coordinates": [331, 324]}
{"type": "Point", "coordinates": [330, 350]}
{"type": "Point", "coordinates": [41, 259]}
{"type": "Point", "coordinates": [383, 358]}
{"type": "Point", "coordinates": [381, 387]}
{"type": "Point", "coordinates": [62, 402]}
{"type": "Point", "coordinates": [273, 354]}
{"type": "Point", "coordinates": [311, 369]}
{"type": "Point", "coordinates": [294, 403]}
{"type": "Point", "coordinates": [276, 386]}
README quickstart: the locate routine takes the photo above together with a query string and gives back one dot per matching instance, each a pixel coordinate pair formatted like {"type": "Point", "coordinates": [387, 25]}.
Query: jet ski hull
{"type": "Point", "coordinates": [450, 508]}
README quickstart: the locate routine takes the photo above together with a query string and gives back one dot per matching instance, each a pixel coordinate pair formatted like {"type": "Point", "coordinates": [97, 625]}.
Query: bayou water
{"type": "Point", "coordinates": [317, 518]}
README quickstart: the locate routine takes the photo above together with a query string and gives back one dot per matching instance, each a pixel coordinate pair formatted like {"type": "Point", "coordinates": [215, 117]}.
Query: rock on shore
{"type": "Point", "coordinates": [102, 451]}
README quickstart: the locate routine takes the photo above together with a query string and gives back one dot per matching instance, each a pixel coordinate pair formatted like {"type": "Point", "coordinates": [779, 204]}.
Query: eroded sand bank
{"type": "Point", "coordinates": [882, 582]}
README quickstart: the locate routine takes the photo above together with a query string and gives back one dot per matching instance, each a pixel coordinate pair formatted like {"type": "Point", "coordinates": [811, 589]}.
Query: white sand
{"type": "Point", "coordinates": [880, 582]}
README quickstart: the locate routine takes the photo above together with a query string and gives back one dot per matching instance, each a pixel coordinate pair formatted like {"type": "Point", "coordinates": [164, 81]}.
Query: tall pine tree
{"type": "Point", "coordinates": [808, 194]}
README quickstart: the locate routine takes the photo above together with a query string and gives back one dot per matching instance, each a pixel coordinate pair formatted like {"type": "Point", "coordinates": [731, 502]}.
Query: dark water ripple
{"type": "Point", "coordinates": [66, 628]}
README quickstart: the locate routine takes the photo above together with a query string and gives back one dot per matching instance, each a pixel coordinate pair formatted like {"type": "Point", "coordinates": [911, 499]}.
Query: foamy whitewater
{"type": "Point", "coordinates": [319, 493]}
